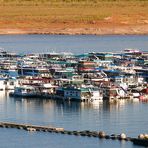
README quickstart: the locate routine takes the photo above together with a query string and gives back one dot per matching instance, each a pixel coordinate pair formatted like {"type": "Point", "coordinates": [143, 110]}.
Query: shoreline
{"type": "Point", "coordinates": [120, 30]}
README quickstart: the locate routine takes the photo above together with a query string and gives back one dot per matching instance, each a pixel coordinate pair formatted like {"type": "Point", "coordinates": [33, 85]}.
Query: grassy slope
{"type": "Point", "coordinates": [38, 14]}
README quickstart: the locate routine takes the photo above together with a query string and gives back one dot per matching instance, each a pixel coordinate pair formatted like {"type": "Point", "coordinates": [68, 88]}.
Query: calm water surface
{"type": "Point", "coordinates": [125, 116]}
{"type": "Point", "coordinates": [74, 44]}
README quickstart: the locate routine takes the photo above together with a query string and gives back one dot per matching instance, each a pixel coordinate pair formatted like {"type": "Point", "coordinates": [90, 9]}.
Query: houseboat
{"type": "Point", "coordinates": [79, 93]}
{"type": "Point", "coordinates": [25, 91]}
{"type": "Point", "coordinates": [113, 93]}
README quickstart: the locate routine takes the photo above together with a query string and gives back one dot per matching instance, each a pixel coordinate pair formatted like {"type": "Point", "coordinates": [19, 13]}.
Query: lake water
{"type": "Point", "coordinates": [75, 44]}
{"type": "Point", "coordinates": [125, 116]}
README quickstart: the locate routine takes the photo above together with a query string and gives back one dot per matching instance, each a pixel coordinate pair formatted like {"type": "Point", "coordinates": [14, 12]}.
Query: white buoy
{"type": "Point", "coordinates": [102, 134]}
{"type": "Point", "coordinates": [31, 129]}
{"type": "Point", "coordinates": [141, 136]}
{"type": "Point", "coordinates": [122, 136]}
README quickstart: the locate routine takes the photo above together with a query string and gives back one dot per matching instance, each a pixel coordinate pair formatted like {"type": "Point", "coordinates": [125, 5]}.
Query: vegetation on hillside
{"type": "Point", "coordinates": [71, 13]}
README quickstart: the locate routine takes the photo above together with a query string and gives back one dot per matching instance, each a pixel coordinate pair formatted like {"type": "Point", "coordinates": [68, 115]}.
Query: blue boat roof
{"type": "Point", "coordinates": [112, 71]}
{"type": "Point", "coordinates": [99, 68]}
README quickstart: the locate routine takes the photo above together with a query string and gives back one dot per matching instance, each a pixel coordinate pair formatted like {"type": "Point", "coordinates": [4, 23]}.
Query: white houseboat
{"type": "Point", "coordinates": [25, 91]}
{"type": "Point", "coordinates": [79, 94]}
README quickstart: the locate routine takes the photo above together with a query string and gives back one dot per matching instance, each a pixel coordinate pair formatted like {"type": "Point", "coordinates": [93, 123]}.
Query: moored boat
{"type": "Point", "coordinates": [79, 93]}
{"type": "Point", "coordinates": [25, 91]}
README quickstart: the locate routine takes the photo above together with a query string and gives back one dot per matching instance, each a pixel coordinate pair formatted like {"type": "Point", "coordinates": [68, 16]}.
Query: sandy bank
{"type": "Point", "coordinates": [113, 30]}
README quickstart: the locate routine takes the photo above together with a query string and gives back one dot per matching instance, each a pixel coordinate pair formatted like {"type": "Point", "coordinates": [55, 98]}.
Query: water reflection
{"type": "Point", "coordinates": [44, 105]}
{"type": "Point", "coordinates": [127, 116]}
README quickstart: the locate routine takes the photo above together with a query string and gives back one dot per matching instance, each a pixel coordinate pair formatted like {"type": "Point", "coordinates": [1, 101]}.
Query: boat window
{"type": "Point", "coordinates": [28, 90]}
{"type": "Point", "coordinates": [134, 91]}
{"type": "Point", "coordinates": [76, 93]}
{"type": "Point", "coordinates": [5, 82]}
{"type": "Point", "coordinates": [113, 92]}
{"type": "Point", "coordinates": [19, 90]}
{"type": "Point", "coordinates": [11, 83]}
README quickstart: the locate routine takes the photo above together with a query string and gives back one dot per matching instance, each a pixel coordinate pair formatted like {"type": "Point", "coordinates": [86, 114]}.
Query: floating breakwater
{"type": "Point", "coordinates": [96, 134]}
{"type": "Point", "coordinates": [29, 127]}
{"type": "Point", "coordinates": [33, 128]}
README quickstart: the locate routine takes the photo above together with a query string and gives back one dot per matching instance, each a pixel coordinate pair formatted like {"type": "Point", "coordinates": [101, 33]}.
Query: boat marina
{"type": "Point", "coordinates": [83, 77]}
{"type": "Point", "coordinates": [73, 91]}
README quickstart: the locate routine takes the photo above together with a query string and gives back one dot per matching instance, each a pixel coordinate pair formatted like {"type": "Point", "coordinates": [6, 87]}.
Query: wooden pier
{"type": "Point", "coordinates": [97, 134]}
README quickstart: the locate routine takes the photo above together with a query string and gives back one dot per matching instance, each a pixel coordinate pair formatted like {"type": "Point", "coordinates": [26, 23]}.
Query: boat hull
{"type": "Point", "coordinates": [23, 95]}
